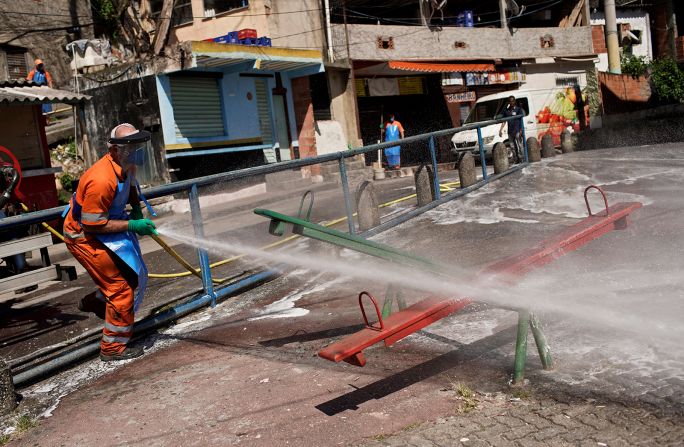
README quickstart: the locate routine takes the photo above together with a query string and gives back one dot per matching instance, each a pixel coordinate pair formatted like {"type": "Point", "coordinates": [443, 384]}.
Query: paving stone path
{"type": "Point", "coordinates": [504, 420]}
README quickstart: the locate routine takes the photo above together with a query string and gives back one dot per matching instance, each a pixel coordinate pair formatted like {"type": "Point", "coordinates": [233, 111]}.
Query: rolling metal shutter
{"type": "Point", "coordinates": [197, 107]}
{"type": "Point", "coordinates": [265, 120]}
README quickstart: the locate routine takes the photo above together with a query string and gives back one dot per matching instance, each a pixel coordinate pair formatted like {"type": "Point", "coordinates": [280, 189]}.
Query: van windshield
{"type": "Point", "coordinates": [486, 110]}
{"type": "Point", "coordinates": [493, 109]}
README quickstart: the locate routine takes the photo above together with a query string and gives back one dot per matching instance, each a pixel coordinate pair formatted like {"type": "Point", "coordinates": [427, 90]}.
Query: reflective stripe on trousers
{"type": "Point", "coordinates": [117, 282]}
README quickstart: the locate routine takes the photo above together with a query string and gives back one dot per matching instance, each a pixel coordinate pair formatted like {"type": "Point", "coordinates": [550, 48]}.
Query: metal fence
{"type": "Point", "coordinates": [191, 187]}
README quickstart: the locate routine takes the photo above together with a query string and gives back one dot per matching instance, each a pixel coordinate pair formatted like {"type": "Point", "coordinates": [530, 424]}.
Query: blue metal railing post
{"type": "Point", "coordinates": [347, 197]}
{"type": "Point", "coordinates": [201, 252]}
{"type": "Point", "coordinates": [482, 154]}
{"type": "Point", "coordinates": [435, 175]}
{"type": "Point", "coordinates": [522, 129]}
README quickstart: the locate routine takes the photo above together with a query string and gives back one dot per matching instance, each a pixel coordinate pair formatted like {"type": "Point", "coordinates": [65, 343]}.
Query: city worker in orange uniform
{"type": "Point", "coordinates": [101, 235]}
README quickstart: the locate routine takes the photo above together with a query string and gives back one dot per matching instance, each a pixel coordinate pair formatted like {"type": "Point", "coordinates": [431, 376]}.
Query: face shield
{"type": "Point", "coordinates": [133, 154]}
{"type": "Point", "coordinates": [132, 148]}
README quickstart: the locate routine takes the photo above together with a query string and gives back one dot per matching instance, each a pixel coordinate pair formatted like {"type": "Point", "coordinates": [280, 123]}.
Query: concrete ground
{"type": "Point", "coordinates": [247, 372]}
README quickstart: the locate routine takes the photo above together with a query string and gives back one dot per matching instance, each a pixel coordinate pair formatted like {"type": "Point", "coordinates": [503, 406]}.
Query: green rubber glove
{"type": "Point", "coordinates": [136, 212]}
{"type": "Point", "coordinates": [143, 227]}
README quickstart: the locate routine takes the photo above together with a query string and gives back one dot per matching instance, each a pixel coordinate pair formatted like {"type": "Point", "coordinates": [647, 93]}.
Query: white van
{"type": "Point", "coordinates": [547, 111]}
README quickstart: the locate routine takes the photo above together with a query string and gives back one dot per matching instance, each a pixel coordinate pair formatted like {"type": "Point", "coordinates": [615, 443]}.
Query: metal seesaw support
{"type": "Point", "coordinates": [394, 327]}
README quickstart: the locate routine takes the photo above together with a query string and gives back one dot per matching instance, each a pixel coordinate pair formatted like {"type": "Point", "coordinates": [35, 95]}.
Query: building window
{"type": "Point", "coordinates": [215, 7]}
{"type": "Point", "coordinates": [17, 68]}
{"type": "Point", "coordinates": [181, 14]}
{"type": "Point", "coordinates": [567, 81]}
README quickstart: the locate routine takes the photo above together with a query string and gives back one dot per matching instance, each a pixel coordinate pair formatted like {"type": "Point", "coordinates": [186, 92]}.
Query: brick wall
{"type": "Point", "coordinates": [624, 93]}
{"type": "Point", "coordinates": [598, 38]}
{"type": "Point", "coordinates": [304, 118]}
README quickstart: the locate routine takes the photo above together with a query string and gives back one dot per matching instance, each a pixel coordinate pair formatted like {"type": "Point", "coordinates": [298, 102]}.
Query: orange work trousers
{"type": "Point", "coordinates": [117, 282]}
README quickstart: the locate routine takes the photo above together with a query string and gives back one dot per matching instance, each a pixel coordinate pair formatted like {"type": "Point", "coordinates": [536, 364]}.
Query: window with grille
{"type": "Point", "coordinates": [215, 7]}
{"type": "Point", "coordinates": [17, 68]}
{"type": "Point", "coordinates": [567, 81]}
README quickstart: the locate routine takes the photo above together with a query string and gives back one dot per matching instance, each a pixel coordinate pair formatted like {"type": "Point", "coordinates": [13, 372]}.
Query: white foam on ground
{"type": "Point", "coordinates": [285, 307]}
{"type": "Point", "coordinates": [566, 201]}
{"type": "Point", "coordinates": [467, 328]}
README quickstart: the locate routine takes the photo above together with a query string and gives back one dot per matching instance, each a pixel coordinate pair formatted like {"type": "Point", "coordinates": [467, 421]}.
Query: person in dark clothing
{"type": "Point", "coordinates": [514, 126]}
{"type": "Point", "coordinates": [580, 106]}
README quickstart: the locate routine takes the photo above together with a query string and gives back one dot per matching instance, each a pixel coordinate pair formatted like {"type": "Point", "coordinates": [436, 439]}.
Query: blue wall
{"type": "Point", "coordinates": [240, 117]}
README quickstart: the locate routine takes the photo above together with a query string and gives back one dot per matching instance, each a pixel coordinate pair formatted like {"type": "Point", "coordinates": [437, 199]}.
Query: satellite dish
{"type": "Point", "coordinates": [513, 8]}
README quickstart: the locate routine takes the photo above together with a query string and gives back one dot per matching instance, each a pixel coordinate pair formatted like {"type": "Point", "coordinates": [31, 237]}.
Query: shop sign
{"type": "Point", "coordinates": [411, 86]}
{"type": "Point", "coordinates": [460, 97]}
{"type": "Point", "coordinates": [498, 77]}
{"type": "Point", "coordinates": [361, 87]}
{"type": "Point", "coordinates": [390, 86]}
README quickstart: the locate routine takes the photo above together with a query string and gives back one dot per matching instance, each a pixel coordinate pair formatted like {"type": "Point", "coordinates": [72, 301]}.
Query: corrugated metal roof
{"type": "Point", "coordinates": [17, 83]}
{"type": "Point", "coordinates": [38, 95]}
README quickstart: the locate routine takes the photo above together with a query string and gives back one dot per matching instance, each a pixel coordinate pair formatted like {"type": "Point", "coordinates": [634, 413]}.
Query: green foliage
{"type": "Point", "coordinates": [71, 147]}
{"type": "Point", "coordinates": [25, 422]}
{"type": "Point", "coordinates": [593, 96]}
{"type": "Point", "coordinates": [67, 181]}
{"type": "Point", "coordinates": [667, 80]}
{"type": "Point", "coordinates": [633, 65]}
{"type": "Point", "coordinates": [106, 15]}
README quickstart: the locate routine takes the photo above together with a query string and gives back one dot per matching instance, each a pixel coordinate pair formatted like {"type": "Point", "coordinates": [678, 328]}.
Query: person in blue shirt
{"type": "Point", "coordinates": [394, 131]}
{"type": "Point", "coordinates": [41, 76]}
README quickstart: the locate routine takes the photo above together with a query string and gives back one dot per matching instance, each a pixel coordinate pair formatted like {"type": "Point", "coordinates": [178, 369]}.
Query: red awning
{"type": "Point", "coordinates": [440, 68]}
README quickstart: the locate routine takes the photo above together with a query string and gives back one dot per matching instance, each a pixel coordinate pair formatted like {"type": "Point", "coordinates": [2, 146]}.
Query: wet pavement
{"type": "Point", "coordinates": [247, 371]}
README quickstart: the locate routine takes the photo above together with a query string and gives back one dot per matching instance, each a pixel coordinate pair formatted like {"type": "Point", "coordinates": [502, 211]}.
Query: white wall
{"type": "Point", "coordinates": [638, 20]}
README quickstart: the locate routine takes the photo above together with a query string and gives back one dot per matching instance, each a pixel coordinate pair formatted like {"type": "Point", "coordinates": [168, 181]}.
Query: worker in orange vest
{"type": "Point", "coordinates": [101, 235]}
{"type": "Point", "coordinates": [41, 76]}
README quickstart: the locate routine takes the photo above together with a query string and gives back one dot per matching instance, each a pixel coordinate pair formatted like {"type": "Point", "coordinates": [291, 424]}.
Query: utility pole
{"type": "Point", "coordinates": [502, 13]}
{"type": "Point", "coordinates": [612, 37]}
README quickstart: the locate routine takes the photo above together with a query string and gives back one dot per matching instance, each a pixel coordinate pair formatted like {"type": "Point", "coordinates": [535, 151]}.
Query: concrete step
{"type": "Point", "coordinates": [351, 164]}
{"type": "Point", "coordinates": [288, 185]}
{"type": "Point", "coordinates": [282, 176]}
{"type": "Point", "coordinates": [403, 172]}
{"type": "Point", "coordinates": [354, 177]}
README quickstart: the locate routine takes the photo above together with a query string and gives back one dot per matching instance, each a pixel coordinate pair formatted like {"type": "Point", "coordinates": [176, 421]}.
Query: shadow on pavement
{"type": "Point", "coordinates": [415, 374]}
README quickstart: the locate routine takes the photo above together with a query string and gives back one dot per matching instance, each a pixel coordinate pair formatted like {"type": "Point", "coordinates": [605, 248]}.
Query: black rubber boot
{"type": "Point", "coordinates": [91, 303]}
{"type": "Point", "coordinates": [130, 352]}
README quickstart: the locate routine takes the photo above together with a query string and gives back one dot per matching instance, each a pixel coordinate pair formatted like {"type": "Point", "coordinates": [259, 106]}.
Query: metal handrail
{"type": "Point", "coordinates": [185, 185]}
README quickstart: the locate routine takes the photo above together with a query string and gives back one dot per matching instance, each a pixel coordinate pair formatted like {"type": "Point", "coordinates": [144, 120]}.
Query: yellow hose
{"type": "Point", "coordinates": [46, 226]}
{"type": "Point", "coordinates": [444, 187]}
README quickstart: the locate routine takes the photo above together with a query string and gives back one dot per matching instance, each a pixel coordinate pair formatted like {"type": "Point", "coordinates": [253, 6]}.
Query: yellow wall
{"type": "Point", "coordinates": [206, 28]}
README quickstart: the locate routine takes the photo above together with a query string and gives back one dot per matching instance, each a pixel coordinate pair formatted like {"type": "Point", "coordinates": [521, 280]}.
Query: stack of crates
{"type": "Point", "coordinates": [465, 19]}
{"type": "Point", "coordinates": [245, 36]}
{"type": "Point", "coordinates": [231, 37]}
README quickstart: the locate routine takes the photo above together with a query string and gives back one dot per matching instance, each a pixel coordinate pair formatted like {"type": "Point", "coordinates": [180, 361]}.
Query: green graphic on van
{"type": "Point", "coordinates": [560, 114]}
